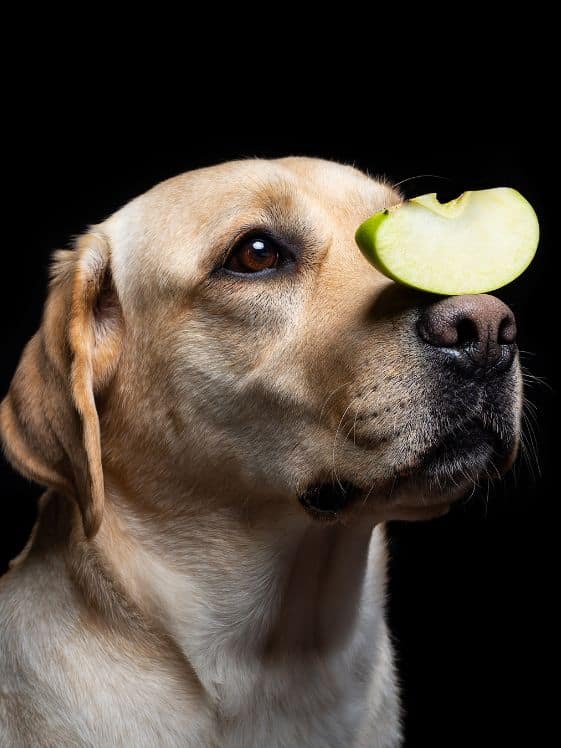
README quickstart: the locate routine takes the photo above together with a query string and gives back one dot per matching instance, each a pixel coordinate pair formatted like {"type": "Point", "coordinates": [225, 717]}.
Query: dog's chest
{"type": "Point", "coordinates": [277, 706]}
{"type": "Point", "coordinates": [292, 695]}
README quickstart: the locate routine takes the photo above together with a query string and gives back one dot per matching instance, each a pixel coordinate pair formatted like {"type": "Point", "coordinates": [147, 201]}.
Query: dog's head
{"type": "Point", "coordinates": [227, 339]}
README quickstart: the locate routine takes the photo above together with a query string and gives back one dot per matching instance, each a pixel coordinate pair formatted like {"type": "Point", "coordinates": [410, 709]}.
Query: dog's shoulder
{"type": "Point", "coordinates": [30, 602]}
{"type": "Point", "coordinates": [60, 672]}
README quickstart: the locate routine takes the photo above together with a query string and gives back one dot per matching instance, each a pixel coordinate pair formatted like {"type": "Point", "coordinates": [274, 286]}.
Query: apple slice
{"type": "Point", "coordinates": [476, 243]}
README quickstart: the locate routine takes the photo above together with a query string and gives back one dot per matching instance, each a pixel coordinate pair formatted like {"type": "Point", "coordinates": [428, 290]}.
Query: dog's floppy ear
{"type": "Point", "coordinates": [48, 420]}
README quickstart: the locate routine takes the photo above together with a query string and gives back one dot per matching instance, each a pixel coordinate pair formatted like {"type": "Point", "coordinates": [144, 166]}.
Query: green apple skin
{"type": "Point", "coordinates": [476, 243]}
{"type": "Point", "coordinates": [365, 237]}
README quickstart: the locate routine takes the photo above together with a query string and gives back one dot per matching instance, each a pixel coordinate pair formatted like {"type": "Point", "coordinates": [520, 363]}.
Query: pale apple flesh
{"type": "Point", "coordinates": [477, 243]}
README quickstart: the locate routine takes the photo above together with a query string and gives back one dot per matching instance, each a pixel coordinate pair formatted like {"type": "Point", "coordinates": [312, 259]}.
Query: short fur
{"type": "Point", "coordinates": [174, 591]}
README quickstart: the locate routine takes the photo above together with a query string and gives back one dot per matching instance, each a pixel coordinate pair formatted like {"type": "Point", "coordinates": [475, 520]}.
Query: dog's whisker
{"type": "Point", "coordinates": [328, 398]}
{"type": "Point", "coordinates": [393, 485]}
{"type": "Point", "coordinates": [529, 444]}
{"type": "Point", "coordinates": [356, 416]}
{"type": "Point", "coordinates": [525, 457]}
{"type": "Point", "coordinates": [334, 471]}
{"type": "Point", "coordinates": [368, 494]}
{"type": "Point", "coordinates": [531, 380]}
{"type": "Point", "coordinates": [420, 176]}
{"type": "Point", "coordinates": [494, 467]}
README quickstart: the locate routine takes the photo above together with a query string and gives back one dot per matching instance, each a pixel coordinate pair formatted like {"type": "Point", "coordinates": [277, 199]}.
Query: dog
{"type": "Point", "coordinates": [225, 403]}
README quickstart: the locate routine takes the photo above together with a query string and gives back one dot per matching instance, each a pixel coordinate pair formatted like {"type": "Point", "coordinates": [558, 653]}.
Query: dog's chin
{"type": "Point", "coordinates": [421, 489]}
{"type": "Point", "coordinates": [400, 498]}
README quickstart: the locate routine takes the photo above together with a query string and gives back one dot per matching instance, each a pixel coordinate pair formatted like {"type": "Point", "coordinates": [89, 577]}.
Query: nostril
{"type": "Point", "coordinates": [467, 331]}
{"type": "Point", "coordinates": [475, 334]}
{"type": "Point", "coordinates": [507, 330]}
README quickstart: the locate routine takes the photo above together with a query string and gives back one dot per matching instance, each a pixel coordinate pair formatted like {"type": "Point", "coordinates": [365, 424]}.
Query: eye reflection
{"type": "Point", "coordinates": [254, 254]}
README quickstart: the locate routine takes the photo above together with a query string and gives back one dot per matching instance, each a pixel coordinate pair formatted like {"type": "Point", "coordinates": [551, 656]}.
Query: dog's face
{"type": "Point", "coordinates": [260, 356]}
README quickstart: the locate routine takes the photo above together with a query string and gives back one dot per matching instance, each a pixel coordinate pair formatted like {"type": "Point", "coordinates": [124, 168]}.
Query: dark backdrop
{"type": "Point", "coordinates": [469, 593]}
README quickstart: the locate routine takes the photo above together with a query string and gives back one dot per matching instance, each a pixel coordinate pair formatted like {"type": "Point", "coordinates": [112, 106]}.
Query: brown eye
{"type": "Point", "coordinates": [253, 254]}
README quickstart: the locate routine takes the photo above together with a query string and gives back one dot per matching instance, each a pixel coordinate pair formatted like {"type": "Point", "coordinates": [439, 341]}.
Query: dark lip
{"type": "Point", "coordinates": [326, 500]}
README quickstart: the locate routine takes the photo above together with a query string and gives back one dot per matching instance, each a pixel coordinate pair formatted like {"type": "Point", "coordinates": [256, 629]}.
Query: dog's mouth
{"type": "Point", "coordinates": [442, 471]}
{"type": "Point", "coordinates": [325, 501]}
{"type": "Point", "coordinates": [465, 454]}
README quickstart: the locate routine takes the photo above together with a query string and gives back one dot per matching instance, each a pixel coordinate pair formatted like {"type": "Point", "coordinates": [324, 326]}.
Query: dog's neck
{"type": "Point", "coordinates": [261, 586]}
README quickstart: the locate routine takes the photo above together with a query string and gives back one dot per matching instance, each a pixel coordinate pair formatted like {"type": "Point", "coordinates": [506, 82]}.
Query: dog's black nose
{"type": "Point", "coordinates": [475, 333]}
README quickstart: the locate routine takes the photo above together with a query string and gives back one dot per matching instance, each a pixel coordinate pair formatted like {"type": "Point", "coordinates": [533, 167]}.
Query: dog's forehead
{"type": "Point", "coordinates": [165, 231]}
{"type": "Point", "coordinates": [338, 182]}
{"type": "Point", "coordinates": [217, 190]}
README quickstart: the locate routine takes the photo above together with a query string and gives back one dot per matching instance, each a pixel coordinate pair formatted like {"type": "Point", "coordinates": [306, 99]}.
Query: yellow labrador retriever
{"type": "Point", "coordinates": [225, 402]}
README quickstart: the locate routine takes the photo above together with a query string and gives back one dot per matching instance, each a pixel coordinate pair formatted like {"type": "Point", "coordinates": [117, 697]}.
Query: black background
{"type": "Point", "coordinates": [470, 593]}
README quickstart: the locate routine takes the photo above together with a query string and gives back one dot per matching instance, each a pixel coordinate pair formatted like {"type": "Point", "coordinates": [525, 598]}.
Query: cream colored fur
{"type": "Point", "coordinates": [174, 591]}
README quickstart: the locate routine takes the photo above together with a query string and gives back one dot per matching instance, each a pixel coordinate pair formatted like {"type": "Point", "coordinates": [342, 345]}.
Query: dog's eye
{"type": "Point", "coordinates": [254, 254]}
